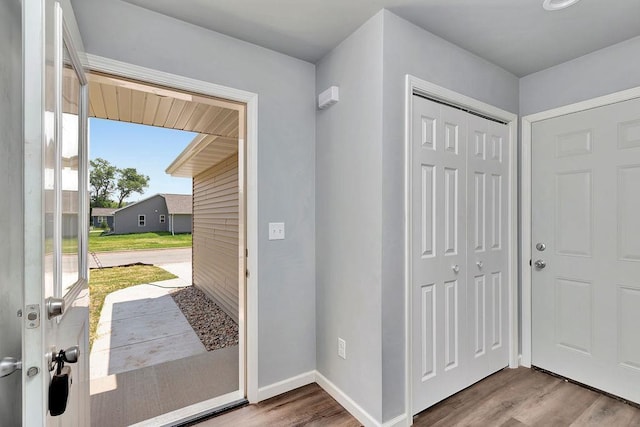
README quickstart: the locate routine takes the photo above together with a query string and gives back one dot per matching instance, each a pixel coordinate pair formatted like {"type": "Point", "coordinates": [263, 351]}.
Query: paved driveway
{"type": "Point", "coordinates": [154, 256]}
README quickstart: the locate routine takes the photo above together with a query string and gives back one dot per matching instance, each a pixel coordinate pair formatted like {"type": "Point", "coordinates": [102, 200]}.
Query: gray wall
{"type": "Point", "coordinates": [126, 220]}
{"type": "Point", "coordinates": [181, 223]}
{"type": "Point", "coordinates": [96, 223]}
{"type": "Point", "coordinates": [286, 156]}
{"type": "Point", "coordinates": [11, 214]}
{"type": "Point", "coordinates": [360, 196]}
{"type": "Point", "coordinates": [348, 217]}
{"type": "Point", "coordinates": [602, 72]}
{"type": "Point", "coordinates": [409, 49]}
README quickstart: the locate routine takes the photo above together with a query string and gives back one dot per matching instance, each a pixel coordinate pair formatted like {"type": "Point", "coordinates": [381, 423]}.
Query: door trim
{"type": "Point", "coordinates": [248, 350]}
{"type": "Point", "coordinates": [414, 84]}
{"type": "Point", "coordinates": [525, 191]}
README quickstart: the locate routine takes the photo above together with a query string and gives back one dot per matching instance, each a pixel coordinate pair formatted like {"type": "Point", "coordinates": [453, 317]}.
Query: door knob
{"type": "Point", "coordinates": [540, 264]}
{"type": "Point", "coordinates": [479, 264]}
{"type": "Point", "coordinates": [8, 365]}
{"type": "Point", "coordinates": [455, 268]}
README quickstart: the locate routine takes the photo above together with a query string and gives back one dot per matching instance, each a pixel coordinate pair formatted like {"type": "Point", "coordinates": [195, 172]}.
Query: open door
{"type": "Point", "coordinates": [55, 312]}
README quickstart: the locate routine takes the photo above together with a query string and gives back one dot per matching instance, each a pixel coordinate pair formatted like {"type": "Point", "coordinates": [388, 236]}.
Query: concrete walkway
{"type": "Point", "coordinates": [148, 256]}
{"type": "Point", "coordinates": [142, 326]}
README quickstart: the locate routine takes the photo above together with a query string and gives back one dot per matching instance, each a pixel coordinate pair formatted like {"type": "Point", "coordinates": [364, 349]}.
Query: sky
{"type": "Point", "coordinates": [149, 149]}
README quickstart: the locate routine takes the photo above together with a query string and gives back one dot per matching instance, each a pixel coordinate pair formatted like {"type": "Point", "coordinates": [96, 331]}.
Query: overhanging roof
{"type": "Point", "coordinates": [201, 154]}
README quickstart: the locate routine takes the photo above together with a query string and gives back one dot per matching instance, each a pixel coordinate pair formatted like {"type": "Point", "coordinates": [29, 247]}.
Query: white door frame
{"type": "Point", "coordinates": [249, 345]}
{"type": "Point", "coordinates": [414, 84]}
{"type": "Point", "coordinates": [525, 191]}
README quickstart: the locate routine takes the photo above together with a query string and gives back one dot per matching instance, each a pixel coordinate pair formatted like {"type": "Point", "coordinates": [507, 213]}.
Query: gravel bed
{"type": "Point", "coordinates": [213, 326]}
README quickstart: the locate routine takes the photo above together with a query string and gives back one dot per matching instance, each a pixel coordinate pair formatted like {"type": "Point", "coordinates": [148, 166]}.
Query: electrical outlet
{"type": "Point", "coordinates": [276, 231]}
{"type": "Point", "coordinates": [342, 348]}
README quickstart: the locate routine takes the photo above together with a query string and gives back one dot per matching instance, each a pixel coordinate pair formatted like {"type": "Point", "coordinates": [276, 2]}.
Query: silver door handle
{"type": "Point", "coordinates": [55, 307]}
{"type": "Point", "coordinates": [479, 264]}
{"type": "Point", "coordinates": [540, 264]}
{"type": "Point", "coordinates": [8, 365]}
{"type": "Point", "coordinates": [455, 268]}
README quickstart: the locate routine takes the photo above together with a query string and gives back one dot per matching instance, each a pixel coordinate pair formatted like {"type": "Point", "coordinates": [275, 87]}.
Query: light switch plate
{"type": "Point", "coordinates": [276, 231]}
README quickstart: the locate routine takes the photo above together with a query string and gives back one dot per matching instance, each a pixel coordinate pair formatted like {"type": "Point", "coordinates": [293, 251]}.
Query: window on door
{"type": "Point", "coordinates": [161, 219]}
{"type": "Point", "coordinates": [142, 219]}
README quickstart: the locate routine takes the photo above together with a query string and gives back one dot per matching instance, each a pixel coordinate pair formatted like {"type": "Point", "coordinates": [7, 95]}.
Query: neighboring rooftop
{"type": "Point", "coordinates": [103, 211]}
{"type": "Point", "coordinates": [178, 203]}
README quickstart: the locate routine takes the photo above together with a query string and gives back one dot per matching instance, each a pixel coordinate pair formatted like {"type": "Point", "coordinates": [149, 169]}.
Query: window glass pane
{"type": "Point", "coordinates": [50, 183]}
{"type": "Point", "coordinates": [69, 163]}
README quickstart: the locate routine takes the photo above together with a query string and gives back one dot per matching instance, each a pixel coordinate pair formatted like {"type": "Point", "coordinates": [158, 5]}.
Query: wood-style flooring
{"type": "Point", "coordinates": [509, 398]}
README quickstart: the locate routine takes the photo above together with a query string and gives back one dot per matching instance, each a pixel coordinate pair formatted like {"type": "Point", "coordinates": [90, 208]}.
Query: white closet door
{"type": "Point", "coordinates": [586, 211]}
{"type": "Point", "coordinates": [487, 248]}
{"type": "Point", "coordinates": [459, 184]}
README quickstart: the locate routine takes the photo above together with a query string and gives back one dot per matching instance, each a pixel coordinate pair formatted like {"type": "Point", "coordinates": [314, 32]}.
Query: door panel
{"type": "Point", "coordinates": [586, 199]}
{"type": "Point", "coordinates": [10, 222]}
{"type": "Point", "coordinates": [55, 215]}
{"type": "Point", "coordinates": [458, 254]}
{"type": "Point", "coordinates": [487, 259]}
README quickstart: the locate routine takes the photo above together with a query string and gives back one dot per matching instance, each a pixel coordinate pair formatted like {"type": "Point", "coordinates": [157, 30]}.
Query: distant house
{"type": "Point", "coordinates": [161, 212]}
{"type": "Point", "coordinates": [100, 215]}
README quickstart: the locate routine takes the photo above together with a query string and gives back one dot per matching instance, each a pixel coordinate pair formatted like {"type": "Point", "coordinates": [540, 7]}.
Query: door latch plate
{"type": "Point", "coordinates": [33, 316]}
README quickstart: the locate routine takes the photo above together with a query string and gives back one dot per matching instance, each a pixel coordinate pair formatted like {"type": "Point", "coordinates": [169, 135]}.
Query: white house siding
{"type": "Point", "coordinates": [215, 234]}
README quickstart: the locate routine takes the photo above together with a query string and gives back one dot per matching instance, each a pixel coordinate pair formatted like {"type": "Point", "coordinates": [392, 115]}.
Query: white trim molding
{"type": "Point", "coordinates": [416, 85]}
{"type": "Point", "coordinates": [191, 412]}
{"type": "Point", "coordinates": [286, 385]}
{"type": "Point", "coordinates": [340, 396]}
{"type": "Point", "coordinates": [249, 322]}
{"type": "Point", "coordinates": [525, 191]}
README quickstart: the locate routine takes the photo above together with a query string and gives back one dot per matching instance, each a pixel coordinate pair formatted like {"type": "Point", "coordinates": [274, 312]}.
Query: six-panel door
{"type": "Point", "coordinates": [458, 249]}
{"type": "Point", "coordinates": [586, 211]}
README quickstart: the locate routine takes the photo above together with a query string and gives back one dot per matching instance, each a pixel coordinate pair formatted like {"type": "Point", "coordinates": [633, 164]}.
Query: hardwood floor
{"type": "Point", "coordinates": [305, 406]}
{"type": "Point", "coordinates": [525, 397]}
{"type": "Point", "coordinates": [510, 398]}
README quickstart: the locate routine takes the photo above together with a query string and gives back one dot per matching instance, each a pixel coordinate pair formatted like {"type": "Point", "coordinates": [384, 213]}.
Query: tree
{"type": "Point", "coordinates": [129, 182]}
{"type": "Point", "coordinates": [102, 179]}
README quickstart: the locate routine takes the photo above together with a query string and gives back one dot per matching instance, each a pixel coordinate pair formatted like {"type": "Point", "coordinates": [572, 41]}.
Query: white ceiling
{"type": "Point", "coordinates": [517, 35]}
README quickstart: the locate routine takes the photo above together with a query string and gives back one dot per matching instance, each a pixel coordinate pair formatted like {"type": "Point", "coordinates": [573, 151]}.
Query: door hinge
{"type": "Point", "coordinates": [246, 273]}
{"type": "Point", "coordinates": [246, 253]}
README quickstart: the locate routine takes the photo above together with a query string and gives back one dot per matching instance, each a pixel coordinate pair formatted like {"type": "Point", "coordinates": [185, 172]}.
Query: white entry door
{"type": "Point", "coordinates": [459, 258]}
{"type": "Point", "coordinates": [586, 213]}
{"type": "Point", "coordinates": [55, 315]}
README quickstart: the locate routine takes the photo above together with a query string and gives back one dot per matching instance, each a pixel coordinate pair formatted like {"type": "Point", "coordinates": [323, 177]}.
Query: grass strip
{"type": "Point", "coordinates": [137, 241]}
{"type": "Point", "coordinates": [104, 281]}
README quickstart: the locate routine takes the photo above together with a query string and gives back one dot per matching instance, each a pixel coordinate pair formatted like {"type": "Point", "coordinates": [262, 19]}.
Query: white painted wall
{"type": "Point", "coordinates": [286, 156]}
{"type": "Point", "coordinates": [11, 213]}
{"type": "Point", "coordinates": [409, 49]}
{"type": "Point", "coordinates": [602, 72]}
{"type": "Point", "coordinates": [349, 217]}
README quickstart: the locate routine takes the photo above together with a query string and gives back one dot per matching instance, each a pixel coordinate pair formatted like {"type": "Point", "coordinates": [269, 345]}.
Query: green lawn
{"type": "Point", "coordinates": [124, 242]}
{"type": "Point", "coordinates": [104, 281]}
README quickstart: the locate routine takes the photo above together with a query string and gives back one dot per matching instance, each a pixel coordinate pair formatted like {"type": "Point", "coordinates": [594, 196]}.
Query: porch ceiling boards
{"type": "Point", "coordinates": [217, 121]}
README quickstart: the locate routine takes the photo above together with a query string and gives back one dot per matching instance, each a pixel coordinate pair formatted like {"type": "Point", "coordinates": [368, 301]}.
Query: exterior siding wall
{"type": "Point", "coordinates": [96, 223]}
{"type": "Point", "coordinates": [126, 220]}
{"type": "Point", "coordinates": [215, 234]}
{"type": "Point", "coordinates": [181, 223]}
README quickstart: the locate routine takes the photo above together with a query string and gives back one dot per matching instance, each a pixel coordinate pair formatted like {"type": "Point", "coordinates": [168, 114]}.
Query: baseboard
{"type": "Point", "coordinates": [341, 397]}
{"type": "Point", "coordinates": [284, 386]}
{"type": "Point", "coordinates": [399, 421]}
